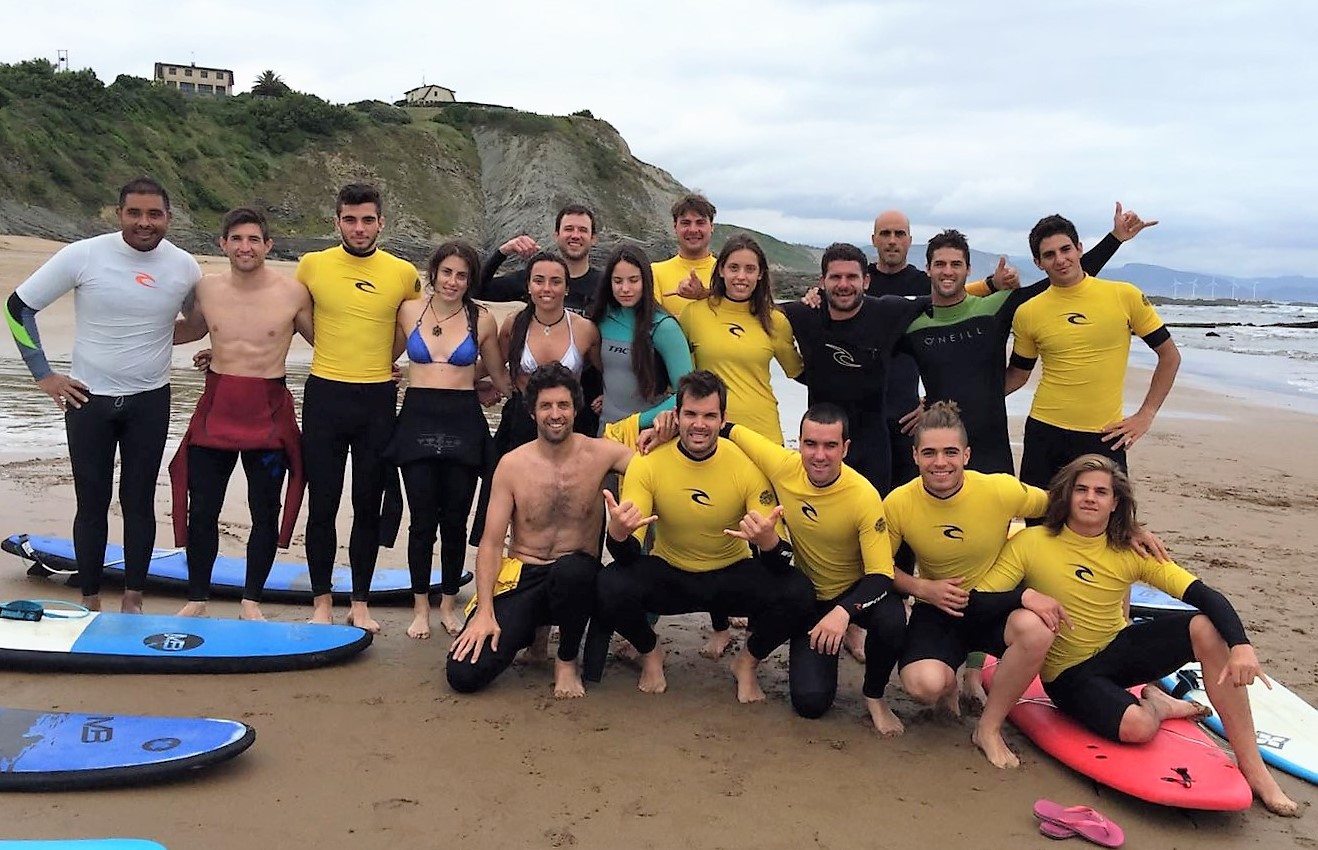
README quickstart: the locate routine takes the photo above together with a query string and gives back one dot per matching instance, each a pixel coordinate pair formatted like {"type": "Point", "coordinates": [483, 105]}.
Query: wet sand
{"type": "Point", "coordinates": [378, 752]}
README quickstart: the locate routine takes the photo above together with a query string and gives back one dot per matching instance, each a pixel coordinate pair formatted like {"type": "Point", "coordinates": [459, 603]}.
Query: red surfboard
{"type": "Point", "coordinates": [1180, 767]}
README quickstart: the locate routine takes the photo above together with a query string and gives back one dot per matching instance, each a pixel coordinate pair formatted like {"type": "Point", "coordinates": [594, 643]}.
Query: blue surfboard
{"type": "Point", "coordinates": [55, 750]}
{"type": "Point", "coordinates": [1146, 601]}
{"type": "Point", "coordinates": [151, 643]}
{"type": "Point", "coordinates": [289, 581]}
{"type": "Point", "coordinates": [83, 844]}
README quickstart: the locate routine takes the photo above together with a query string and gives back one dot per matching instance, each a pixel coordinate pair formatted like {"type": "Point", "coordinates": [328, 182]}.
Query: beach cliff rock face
{"type": "Point", "coordinates": [481, 173]}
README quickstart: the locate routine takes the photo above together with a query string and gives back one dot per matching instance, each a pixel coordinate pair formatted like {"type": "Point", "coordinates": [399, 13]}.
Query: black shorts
{"type": "Point", "coordinates": [1049, 448]}
{"type": "Point", "coordinates": [1094, 691]}
{"type": "Point", "coordinates": [935, 634]}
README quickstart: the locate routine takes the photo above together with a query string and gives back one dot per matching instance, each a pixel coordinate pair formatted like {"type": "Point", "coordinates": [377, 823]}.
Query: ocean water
{"type": "Point", "coordinates": [1254, 359]}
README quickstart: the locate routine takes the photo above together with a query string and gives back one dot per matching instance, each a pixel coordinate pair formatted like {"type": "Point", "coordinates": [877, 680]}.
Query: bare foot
{"type": "Point", "coordinates": [360, 616]}
{"type": "Point", "coordinates": [717, 644]}
{"type": "Point", "coordinates": [567, 680]}
{"type": "Point", "coordinates": [1272, 797]}
{"type": "Point", "coordinates": [652, 672]}
{"type": "Point", "coordinates": [322, 610]}
{"type": "Point", "coordinates": [950, 702]}
{"type": "Point", "coordinates": [92, 603]}
{"type": "Point", "coordinates": [250, 610]}
{"type": "Point", "coordinates": [538, 651]}
{"type": "Point", "coordinates": [885, 722]}
{"type": "Point", "coordinates": [419, 628]}
{"type": "Point", "coordinates": [131, 603]}
{"type": "Point", "coordinates": [973, 696]}
{"type": "Point", "coordinates": [193, 609]}
{"type": "Point", "coordinates": [854, 642]}
{"type": "Point", "coordinates": [1168, 706]}
{"type": "Point", "coordinates": [623, 650]}
{"type": "Point", "coordinates": [739, 622]}
{"type": "Point", "coordinates": [745, 668]}
{"type": "Point", "coordinates": [995, 749]}
{"type": "Point", "coordinates": [448, 615]}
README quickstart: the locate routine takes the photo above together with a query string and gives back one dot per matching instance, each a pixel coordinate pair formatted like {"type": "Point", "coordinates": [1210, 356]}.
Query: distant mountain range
{"type": "Point", "coordinates": [1157, 280]}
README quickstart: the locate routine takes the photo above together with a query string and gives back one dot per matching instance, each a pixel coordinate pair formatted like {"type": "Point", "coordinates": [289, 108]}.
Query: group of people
{"type": "Point", "coordinates": [640, 417]}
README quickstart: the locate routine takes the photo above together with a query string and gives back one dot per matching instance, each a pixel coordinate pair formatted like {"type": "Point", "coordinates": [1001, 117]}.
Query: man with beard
{"type": "Point", "coordinates": [705, 498]}
{"type": "Point", "coordinates": [548, 493]}
{"type": "Point", "coordinates": [128, 287]}
{"type": "Point", "coordinates": [350, 397]}
{"type": "Point", "coordinates": [246, 411]}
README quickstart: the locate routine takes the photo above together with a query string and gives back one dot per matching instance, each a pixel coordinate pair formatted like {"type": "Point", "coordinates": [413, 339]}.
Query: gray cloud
{"type": "Point", "coordinates": [811, 117]}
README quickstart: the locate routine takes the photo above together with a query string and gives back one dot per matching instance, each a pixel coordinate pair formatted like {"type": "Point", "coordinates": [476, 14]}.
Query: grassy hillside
{"type": "Point", "coordinates": [782, 255]}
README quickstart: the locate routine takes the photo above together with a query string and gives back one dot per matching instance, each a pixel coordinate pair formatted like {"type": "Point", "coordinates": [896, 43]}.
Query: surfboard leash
{"type": "Point", "coordinates": [32, 610]}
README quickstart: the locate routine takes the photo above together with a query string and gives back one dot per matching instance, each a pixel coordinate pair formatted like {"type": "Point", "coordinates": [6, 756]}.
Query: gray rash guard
{"type": "Point", "coordinates": [125, 302]}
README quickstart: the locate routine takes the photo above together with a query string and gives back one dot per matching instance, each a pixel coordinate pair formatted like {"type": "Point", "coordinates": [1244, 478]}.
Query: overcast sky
{"type": "Point", "coordinates": [804, 118]}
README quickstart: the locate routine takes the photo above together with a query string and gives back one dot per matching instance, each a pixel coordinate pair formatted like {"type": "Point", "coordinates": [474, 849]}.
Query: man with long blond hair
{"type": "Point", "coordinates": [1082, 557]}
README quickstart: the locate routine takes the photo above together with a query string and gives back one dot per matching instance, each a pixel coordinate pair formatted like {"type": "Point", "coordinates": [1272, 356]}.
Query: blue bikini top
{"type": "Point", "coordinates": [418, 352]}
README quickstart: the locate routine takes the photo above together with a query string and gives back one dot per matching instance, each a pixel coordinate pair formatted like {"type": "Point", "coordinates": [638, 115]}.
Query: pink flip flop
{"type": "Point", "coordinates": [1055, 831]}
{"type": "Point", "coordinates": [1082, 821]}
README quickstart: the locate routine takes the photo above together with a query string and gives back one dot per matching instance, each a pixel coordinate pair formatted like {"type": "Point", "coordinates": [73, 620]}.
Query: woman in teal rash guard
{"type": "Point", "coordinates": [642, 348]}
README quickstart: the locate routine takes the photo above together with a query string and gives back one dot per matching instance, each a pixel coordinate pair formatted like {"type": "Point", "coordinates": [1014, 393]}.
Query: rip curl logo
{"type": "Point", "coordinates": [808, 510]}
{"type": "Point", "coordinates": [416, 287]}
{"type": "Point", "coordinates": [766, 498]}
{"type": "Point", "coordinates": [1077, 318]}
{"type": "Point", "coordinates": [880, 525]}
{"type": "Point", "coordinates": [953, 532]}
{"type": "Point", "coordinates": [735, 329]}
{"type": "Point", "coordinates": [842, 357]}
{"type": "Point", "coordinates": [365, 286]}
{"type": "Point", "coordinates": [1084, 573]}
{"type": "Point", "coordinates": [144, 279]}
{"type": "Point", "coordinates": [173, 641]}
{"type": "Point", "coordinates": [700, 497]}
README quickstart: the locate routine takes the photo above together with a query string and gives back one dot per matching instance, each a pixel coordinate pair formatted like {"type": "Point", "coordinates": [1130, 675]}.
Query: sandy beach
{"type": "Point", "coordinates": [379, 753]}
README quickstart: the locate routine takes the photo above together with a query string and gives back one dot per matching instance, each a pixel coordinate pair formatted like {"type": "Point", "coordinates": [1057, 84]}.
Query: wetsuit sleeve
{"type": "Point", "coordinates": [675, 351]}
{"type": "Point", "coordinates": [1024, 351]}
{"type": "Point", "coordinates": [1033, 502]}
{"type": "Point", "coordinates": [58, 276]}
{"type": "Point", "coordinates": [509, 287]}
{"type": "Point", "coordinates": [784, 346]}
{"type": "Point", "coordinates": [1218, 610]}
{"type": "Point", "coordinates": [22, 321]}
{"type": "Point", "coordinates": [637, 488]}
{"type": "Point", "coordinates": [864, 593]}
{"type": "Point", "coordinates": [779, 558]}
{"type": "Point", "coordinates": [763, 452]}
{"type": "Point", "coordinates": [981, 288]}
{"type": "Point", "coordinates": [872, 530]}
{"type": "Point", "coordinates": [1097, 257]}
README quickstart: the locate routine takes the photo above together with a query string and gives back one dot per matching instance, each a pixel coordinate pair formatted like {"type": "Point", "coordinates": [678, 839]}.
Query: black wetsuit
{"type": "Point", "coordinates": [961, 355]}
{"type": "Point", "coordinates": [903, 394]}
{"type": "Point", "coordinates": [849, 363]}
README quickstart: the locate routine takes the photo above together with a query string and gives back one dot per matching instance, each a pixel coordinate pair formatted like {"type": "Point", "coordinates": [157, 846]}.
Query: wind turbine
{"type": "Point", "coordinates": [1212, 288]}
{"type": "Point", "coordinates": [1255, 296]}
{"type": "Point", "coordinates": [1234, 284]}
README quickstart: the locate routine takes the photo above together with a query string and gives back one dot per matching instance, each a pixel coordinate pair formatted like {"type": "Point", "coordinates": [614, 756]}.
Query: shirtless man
{"type": "Point", "coordinates": [547, 493]}
{"type": "Point", "coordinates": [246, 410]}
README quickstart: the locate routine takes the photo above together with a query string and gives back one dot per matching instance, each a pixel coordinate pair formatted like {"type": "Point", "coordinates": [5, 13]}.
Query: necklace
{"type": "Point", "coordinates": [547, 327]}
{"type": "Point", "coordinates": [435, 329]}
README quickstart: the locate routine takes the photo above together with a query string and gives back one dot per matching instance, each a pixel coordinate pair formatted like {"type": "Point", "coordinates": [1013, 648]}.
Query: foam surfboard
{"type": "Point", "coordinates": [289, 581]}
{"type": "Point", "coordinates": [151, 643]}
{"type": "Point", "coordinates": [1286, 725]}
{"type": "Point", "coordinates": [1146, 601]}
{"type": "Point", "coordinates": [55, 750]}
{"type": "Point", "coordinates": [83, 844]}
{"type": "Point", "coordinates": [1180, 767]}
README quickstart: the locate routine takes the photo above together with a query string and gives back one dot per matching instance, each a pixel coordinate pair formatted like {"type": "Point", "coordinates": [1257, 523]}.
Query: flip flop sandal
{"type": "Point", "coordinates": [1055, 831]}
{"type": "Point", "coordinates": [1083, 821]}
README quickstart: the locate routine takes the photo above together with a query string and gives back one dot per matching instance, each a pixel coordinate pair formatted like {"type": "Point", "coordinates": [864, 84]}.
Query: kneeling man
{"type": "Point", "coordinates": [709, 502]}
{"type": "Point", "coordinates": [548, 492]}
{"type": "Point", "coordinates": [1082, 556]}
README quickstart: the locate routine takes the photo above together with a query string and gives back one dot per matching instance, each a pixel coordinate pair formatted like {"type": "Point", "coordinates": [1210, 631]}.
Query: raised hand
{"type": "Point", "coordinates": [756, 528]}
{"type": "Point", "coordinates": [523, 246]}
{"type": "Point", "coordinates": [624, 519]}
{"type": "Point", "coordinates": [691, 287]}
{"type": "Point", "coordinates": [1126, 224]}
{"type": "Point", "coordinates": [1005, 276]}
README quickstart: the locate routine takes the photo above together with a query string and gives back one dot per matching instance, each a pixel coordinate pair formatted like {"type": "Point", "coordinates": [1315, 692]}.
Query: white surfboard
{"type": "Point", "coordinates": [1286, 725]}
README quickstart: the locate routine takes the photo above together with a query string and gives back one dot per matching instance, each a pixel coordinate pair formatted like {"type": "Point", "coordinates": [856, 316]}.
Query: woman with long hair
{"type": "Point", "coordinates": [643, 351]}
{"type": "Point", "coordinates": [738, 330]}
{"type": "Point", "coordinates": [441, 434]}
